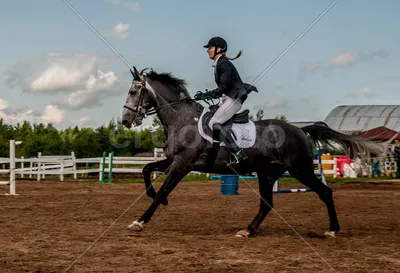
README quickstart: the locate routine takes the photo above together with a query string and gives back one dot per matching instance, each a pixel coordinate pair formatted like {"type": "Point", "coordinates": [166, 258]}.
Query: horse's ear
{"type": "Point", "coordinates": [135, 73]}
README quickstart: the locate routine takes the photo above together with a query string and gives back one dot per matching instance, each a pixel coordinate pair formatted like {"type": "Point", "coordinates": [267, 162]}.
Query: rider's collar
{"type": "Point", "coordinates": [214, 64]}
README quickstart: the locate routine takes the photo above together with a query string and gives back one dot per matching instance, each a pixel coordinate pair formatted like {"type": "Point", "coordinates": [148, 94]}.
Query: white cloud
{"type": "Point", "coordinates": [83, 119]}
{"type": "Point", "coordinates": [120, 31]}
{"type": "Point", "coordinates": [346, 58]}
{"type": "Point", "coordinates": [52, 114]}
{"type": "Point", "coordinates": [97, 85]}
{"type": "Point", "coordinates": [134, 6]}
{"type": "Point", "coordinates": [76, 75]}
{"type": "Point", "coordinates": [342, 60]}
{"type": "Point", "coordinates": [275, 104]}
{"type": "Point", "coordinates": [393, 84]}
{"type": "Point", "coordinates": [3, 104]}
{"type": "Point", "coordinates": [314, 66]}
{"type": "Point", "coordinates": [64, 74]}
{"type": "Point", "coordinates": [11, 116]}
{"type": "Point", "coordinates": [365, 91]}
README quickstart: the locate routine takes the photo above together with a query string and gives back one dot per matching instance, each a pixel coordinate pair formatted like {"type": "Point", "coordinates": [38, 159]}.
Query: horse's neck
{"type": "Point", "coordinates": [180, 114]}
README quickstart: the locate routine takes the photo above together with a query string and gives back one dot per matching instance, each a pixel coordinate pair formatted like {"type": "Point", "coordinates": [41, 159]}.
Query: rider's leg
{"type": "Point", "coordinates": [226, 136]}
{"type": "Point", "coordinates": [227, 109]}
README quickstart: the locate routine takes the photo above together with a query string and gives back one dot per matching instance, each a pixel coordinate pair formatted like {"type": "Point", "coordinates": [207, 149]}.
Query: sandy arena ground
{"type": "Point", "coordinates": [81, 227]}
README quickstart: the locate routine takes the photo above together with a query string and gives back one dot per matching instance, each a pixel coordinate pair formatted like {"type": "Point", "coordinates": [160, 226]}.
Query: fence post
{"type": "Point", "coordinates": [74, 164]}
{"type": "Point", "coordinates": [39, 166]}
{"type": "Point", "coordinates": [12, 167]}
{"type": "Point", "coordinates": [335, 167]}
{"type": "Point", "coordinates": [102, 167]}
{"type": "Point", "coordinates": [62, 170]}
{"type": "Point", "coordinates": [31, 169]}
{"type": "Point", "coordinates": [101, 170]}
{"type": "Point", "coordinates": [22, 166]}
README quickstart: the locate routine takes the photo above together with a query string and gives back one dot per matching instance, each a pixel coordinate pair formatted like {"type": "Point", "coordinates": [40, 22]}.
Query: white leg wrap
{"type": "Point", "coordinates": [136, 225]}
{"type": "Point", "coordinates": [330, 233]}
{"type": "Point", "coordinates": [244, 233]}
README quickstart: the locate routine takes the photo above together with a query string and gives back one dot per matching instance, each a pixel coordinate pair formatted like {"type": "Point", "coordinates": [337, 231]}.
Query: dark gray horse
{"type": "Point", "coordinates": [277, 146]}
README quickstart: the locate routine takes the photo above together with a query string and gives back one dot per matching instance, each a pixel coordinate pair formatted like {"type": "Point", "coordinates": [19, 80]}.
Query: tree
{"type": "Point", "coordinates": [85, 144]}
{"type": "Point", "coordinates": [282, 117]}
{"type": "Point", "coordinates": [259, 115]}
{"type": "Point", "coordinates": [159, 137]}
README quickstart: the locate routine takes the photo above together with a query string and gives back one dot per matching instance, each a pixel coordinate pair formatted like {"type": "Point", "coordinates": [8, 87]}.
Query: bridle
{"type": "Point", "coordinates": [138, 109]}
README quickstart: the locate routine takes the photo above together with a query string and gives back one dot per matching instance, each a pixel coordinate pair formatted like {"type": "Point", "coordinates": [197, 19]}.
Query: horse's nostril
{"type": "Point", "coordinates": [126, 123]}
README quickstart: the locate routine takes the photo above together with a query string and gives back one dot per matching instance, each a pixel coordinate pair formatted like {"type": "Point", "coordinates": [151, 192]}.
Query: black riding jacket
{"type": "Point", "coordinates": [228, 80]}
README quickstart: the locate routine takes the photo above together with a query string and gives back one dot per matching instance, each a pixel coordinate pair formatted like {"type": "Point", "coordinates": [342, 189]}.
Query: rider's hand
{"type": "Point", "coordinates": [199, 95]}
{"type": "Point", "coordinates": [212, 95]}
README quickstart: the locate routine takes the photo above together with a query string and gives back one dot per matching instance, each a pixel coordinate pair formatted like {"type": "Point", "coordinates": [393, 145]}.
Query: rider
{"type": "Point", "coordinates": [231, 89]}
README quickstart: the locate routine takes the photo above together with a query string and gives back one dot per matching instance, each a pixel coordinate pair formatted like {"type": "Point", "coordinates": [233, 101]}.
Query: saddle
{"type": "Point", "coordinates": [242, 117]}
{"type": "Point", "coordinates": [239, 118]}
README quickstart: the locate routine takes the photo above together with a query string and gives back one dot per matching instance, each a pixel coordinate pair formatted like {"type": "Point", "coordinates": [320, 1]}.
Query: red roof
{"type": "Point", "coordinates": [381, 133]}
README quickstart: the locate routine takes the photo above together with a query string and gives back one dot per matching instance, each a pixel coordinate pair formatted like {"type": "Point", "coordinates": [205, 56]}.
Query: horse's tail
{"type": "Point", "coordinates": [353, 146]}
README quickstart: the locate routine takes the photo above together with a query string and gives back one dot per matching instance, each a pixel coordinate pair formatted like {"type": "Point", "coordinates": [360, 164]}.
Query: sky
{"type": "Point", "coordinates": [55, 69]}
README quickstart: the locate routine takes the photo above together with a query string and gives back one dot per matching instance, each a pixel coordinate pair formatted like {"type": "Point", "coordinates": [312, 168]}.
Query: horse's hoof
{"type": "Point", "coordinates": [330, 233]}
{"type": "Point", "coordinates": [138, 226]}
{"type": "Point", "coordinates": [244, 233]}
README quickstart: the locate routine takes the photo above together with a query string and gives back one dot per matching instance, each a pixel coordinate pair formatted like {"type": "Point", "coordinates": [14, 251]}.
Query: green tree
{"type": "Point", "coordinates": [259, 115]}
{"type": "Point", "coordinates": [282, 117]}
{"type": "Point", "coordinates": [159, 133]}
{"type": "Point", "coordinates": [85, 144]}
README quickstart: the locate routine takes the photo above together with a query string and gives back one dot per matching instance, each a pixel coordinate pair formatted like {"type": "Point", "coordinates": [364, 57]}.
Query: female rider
{"type": "Point", "coordinates": [231, 89]}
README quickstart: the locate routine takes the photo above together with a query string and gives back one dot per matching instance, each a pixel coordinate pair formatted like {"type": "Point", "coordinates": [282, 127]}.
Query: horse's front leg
{"type": "Point", "coordinates": [175, 175]}
{"type": "Point", "coordinates": [160, 166]}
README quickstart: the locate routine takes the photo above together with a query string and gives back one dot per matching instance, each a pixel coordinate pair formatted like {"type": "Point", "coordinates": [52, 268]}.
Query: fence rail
{"type": "Point", "coordinates": [61, 165]}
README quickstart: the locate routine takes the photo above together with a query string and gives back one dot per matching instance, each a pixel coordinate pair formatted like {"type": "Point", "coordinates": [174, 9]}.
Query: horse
{"type": "Point", "coordinates": [271, 145]}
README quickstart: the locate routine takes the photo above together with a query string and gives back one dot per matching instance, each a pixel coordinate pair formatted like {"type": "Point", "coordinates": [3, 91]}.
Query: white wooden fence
{"type": "Point", "coordinates": [67, 165]}
{"type": "Point", "coordinates": [61, 165]}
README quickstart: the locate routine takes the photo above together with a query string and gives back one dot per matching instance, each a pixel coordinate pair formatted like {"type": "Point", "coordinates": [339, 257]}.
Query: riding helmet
{"type": "Point", "coordinates": [218, 42]}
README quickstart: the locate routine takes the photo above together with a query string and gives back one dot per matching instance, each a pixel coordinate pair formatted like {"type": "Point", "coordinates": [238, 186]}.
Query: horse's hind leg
{"type": "Point", "coordinates": [305, 174]}
{"type": "Point", "coordinates": [266, 181]}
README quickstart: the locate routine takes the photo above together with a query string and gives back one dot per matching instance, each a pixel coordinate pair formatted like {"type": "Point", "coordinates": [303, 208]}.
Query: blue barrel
{"type": "Point", "coordinates": [229, 184]}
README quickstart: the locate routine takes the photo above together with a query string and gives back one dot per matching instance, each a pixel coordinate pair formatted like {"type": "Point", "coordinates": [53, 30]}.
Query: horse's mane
{"type": "Point", "coordinates": [167, 79]}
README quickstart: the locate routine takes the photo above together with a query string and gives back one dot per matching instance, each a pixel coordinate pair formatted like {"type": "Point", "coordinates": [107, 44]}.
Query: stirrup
{"type": "Point", "coordinates": [239, 156]}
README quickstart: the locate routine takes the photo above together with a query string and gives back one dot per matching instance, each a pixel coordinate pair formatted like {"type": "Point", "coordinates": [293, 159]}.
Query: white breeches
{"type": "Point", "coordinates": [228, 107]}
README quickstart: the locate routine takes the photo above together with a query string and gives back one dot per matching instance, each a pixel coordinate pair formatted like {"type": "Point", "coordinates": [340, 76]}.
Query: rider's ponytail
{"type": "Point", "coordinates": [237, 56]}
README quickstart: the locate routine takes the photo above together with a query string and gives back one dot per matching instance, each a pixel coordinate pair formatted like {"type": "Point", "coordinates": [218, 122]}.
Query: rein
{"type": "Point", "coordinates": [138, 109]}
{"type": "Point", "coordinates": [154, 110]}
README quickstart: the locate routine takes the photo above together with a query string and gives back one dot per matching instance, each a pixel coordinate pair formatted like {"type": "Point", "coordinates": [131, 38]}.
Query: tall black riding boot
{"type": "Point", "coordinates": [237, 153]}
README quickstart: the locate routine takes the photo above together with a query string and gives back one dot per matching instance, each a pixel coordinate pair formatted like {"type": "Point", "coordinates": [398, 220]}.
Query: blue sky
{"type": "Point", "coordinates": [55, 69]}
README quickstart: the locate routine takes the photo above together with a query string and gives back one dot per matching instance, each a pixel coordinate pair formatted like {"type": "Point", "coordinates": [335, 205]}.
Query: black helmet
{"type": "Point", "coordinates": [219, 42]}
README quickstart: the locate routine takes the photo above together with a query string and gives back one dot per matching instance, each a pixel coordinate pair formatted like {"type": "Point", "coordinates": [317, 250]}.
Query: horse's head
{"type": "Point", "coordinates": [139, 100]}
{"type": "Point", "coordinates": [158, 90]}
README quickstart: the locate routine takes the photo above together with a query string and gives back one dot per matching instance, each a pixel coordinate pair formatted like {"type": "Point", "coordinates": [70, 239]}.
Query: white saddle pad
{"type": "Point", "coordinates": [245, 133]}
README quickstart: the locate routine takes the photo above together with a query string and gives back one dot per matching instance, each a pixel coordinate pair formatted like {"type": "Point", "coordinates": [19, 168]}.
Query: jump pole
{"type": "Point", "coordinates": [320, 167]}
{"type": "Point", "coordinates": [110, 165]}
{"type": "Point", "coordinates": [103, 168]}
